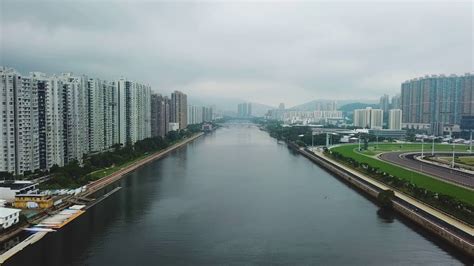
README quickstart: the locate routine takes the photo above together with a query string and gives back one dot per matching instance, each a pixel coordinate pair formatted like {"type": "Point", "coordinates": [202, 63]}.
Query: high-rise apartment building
{"type": "Point", "coordinates": [207, 114]}
{"type": "Point", "coordinates": [437, 99]}
{"type": "Point", "coordinates": [395, 104]}
{"type": "Point", "coordinates": [179, 109]}
{"type": "Point", "coordinates": [141, 112]}
{"type": "Point", "coordinates": [384, 103]}
{"type": "Point", "coordinates": [96, 114]}
{"type": "Point", "coordinates": [111, 114]}
{"type": "Point", "coordinates": [134, 122]}
{"type": "Point", "coordinates": [19, 126]}
{"type": "Point", "coordinates": [244, 110]}
{"type": "Point", "coordinates": [368, 118]}
{"type": "Point", "coordinates": [395, 119]}
{"type": "Point", "coordinates": [199, 114]}
{"type": "Point", "coordinates": [53, 120]}
{"type": "Point", "coordinates": [167, 114]}
{"type": "Point", "coordinates": [75, 117]}
{"type": "Point", "coordinates": [160, 115]}
{"type": "Point", "coordinates": [195, 115]}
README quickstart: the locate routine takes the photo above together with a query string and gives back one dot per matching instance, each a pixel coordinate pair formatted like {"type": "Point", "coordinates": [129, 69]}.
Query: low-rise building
{"type": "Point", "coordinates": [174, 126]}
{"type": "Point", "coordinates": [9, 217]}
{"type": "Point", "coordinates": [33, 201]}
{"type": "Point", "coordinates": [9, 189]}
{"type": "Point", "coordinates": [388, 133]}
{"type": "Point", "coordinates": [207, 127]}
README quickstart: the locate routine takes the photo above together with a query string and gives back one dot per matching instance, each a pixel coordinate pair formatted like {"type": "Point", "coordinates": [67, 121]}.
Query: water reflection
{"type": "Point", "coordinates": [386, 215]}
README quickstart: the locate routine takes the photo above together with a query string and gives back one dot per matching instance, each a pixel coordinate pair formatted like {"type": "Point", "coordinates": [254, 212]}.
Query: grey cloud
{"type": "Point", "coordinates": [270, 52]}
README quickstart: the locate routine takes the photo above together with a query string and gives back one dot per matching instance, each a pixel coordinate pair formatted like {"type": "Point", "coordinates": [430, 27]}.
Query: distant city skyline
{"type": "Point", "coordinates": [259, 52]}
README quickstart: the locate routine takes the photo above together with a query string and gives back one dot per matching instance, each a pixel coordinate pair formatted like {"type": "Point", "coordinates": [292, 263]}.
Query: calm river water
{"type": "Point", "coordinates": [236, 196]}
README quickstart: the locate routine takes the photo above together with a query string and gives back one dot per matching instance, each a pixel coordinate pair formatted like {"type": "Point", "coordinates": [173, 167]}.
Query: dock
{"type": "Point", "coordinates": [62, 218]}
{"type": "Point", "coordinates": [28, 241]}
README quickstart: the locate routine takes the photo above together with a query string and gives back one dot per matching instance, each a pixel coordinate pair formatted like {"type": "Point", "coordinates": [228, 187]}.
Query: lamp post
{"type": "Point", "coordinates": [422, 147]}
{"type": "Point", "coordinates": [327, 139]}
{"type": "Point", "coordinates": [470, 143]}
{"type": "Point", "coordinates": [454, 147]}
{"type": "Point", "coordinates": [359, 142]}
{"type": "Point", "coordinates": [432, 147]}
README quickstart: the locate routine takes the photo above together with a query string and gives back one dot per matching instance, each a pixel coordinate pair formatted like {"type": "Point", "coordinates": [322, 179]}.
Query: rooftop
{"type": "Point", "coordinates": [16, 185]}
{"type": "Point", "coordinates": [7, 211]}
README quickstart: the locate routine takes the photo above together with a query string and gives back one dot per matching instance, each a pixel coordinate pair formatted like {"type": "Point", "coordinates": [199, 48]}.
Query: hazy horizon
{"type": "Point", "coordinates": [259, 52]}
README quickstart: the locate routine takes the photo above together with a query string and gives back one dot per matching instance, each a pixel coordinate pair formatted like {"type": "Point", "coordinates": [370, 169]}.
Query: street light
{"type": "Point", "coordinates": [422, 146]}
{"type": "Point", "coordinates": [432, 147]}
{"type": "Point", "coordinates": [327, 139]}
{"type": "Point", "coordinates": [454, 147]}
{"type": "Point", "coordinates": [359, 142]}
{"type": "Point", "coordinates": [470, 143]}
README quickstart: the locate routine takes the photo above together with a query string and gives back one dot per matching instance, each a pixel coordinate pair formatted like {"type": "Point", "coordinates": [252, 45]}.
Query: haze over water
{"type": "Point", "coordinates": [235, 197]}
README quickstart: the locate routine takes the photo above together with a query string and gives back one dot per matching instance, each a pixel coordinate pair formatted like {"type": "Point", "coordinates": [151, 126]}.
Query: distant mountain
{"type": "Point", "coordinates": [350, 107]}
{"type": "Point", "coordinates": [312, 105]}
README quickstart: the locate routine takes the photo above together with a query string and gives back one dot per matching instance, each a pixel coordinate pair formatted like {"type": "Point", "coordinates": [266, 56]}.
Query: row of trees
{"type": "Point", "coordinates": [300, 135]}
{"type": "Point", "coordinates": [453, 206]}
{"type": "Point", "coordinates": [75, 175]}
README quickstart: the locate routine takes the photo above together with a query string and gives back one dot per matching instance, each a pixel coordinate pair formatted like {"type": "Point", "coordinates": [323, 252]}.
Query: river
{"type": "Point", "coordinates": [236, 196]}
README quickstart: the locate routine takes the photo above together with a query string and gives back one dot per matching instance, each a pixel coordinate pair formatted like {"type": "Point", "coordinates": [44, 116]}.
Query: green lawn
{"type": "Point", "coordinates": [108, 171]}
{"type": "Point", "coordinates": [467, 160]}
{"type": "Point", "coordinates": [383, 147]}
{"type": "Point", "coordinates": [420, 180]}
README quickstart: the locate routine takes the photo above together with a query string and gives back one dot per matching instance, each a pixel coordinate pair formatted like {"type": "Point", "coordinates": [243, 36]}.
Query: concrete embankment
{"type": "Point", "coordinates": [28, 241]}
{"type": "Point", "coordinates": [456, 233]}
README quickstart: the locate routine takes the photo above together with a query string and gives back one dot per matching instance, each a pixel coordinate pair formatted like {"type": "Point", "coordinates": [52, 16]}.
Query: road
{"type": "Point", "coordinates": [407, 161]}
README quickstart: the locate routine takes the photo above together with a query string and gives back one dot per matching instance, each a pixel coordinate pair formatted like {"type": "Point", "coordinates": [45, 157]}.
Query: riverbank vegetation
{"type": "Point", "coordinates": [98, 165]}
{"type": "Point", "coordinates": [301, 135]}
{"type": "Point", "coordinates": [452, 199]}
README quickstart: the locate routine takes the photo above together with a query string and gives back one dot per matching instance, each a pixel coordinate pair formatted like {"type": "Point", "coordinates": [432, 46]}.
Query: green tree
{"type": "Point", "coordinates": [385, 198]}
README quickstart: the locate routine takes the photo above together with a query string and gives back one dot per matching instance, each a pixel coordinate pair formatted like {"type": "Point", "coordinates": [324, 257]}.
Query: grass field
{"type": "Point", "coordinates": [420, 180]}
{"type": "Point", "coordinates": [467, 160]}
{"type": "Point", "coordinates": [382, 147]}
{"type": "Point", "coordinates": [108, 171]}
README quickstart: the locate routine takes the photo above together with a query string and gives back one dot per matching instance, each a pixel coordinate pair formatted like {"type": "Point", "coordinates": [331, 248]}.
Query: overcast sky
{"type": "Point", "coordinates": [263, 52]}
